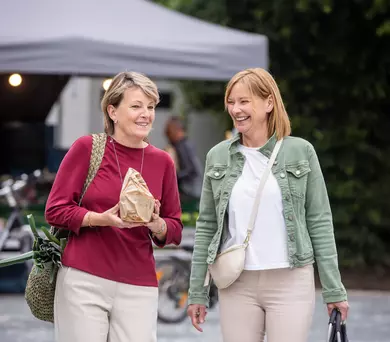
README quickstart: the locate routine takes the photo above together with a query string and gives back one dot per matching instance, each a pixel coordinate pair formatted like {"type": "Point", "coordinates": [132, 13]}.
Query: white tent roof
{"type": "Point", "coordinates": [96, 37]}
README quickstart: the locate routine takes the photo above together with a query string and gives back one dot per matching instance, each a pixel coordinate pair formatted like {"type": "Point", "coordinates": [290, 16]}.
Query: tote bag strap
{"type": "Point", "coordinates": [97, 153]}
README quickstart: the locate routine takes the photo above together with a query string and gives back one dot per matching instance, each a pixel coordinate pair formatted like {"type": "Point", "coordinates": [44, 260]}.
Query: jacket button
{"type": "Point", "coordinates": [282, 175]}
{"type": "Point", "coordinates": [290, 217]}
{"type": "Point", "coordinates": [298, 172]}
{"type": "Point", "coordinates": [216, 174]}
{"type": "Point", "coordinates": [287, 198]}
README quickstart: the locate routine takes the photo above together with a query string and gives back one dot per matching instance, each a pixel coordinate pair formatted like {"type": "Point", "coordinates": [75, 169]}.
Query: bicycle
{"type": "Point", "coordinates": [173, 275]}
{"type": "Point", "coordinates": [16, 237]}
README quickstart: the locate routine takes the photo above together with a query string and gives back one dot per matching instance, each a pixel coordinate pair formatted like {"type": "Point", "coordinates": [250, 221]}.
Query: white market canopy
{"type": "Point", "coordinates": [95, 37]}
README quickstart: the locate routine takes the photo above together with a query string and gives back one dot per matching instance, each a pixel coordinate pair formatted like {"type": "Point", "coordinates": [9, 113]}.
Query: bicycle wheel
{"type": "Point", "coordinates": [173, 277]}
{"type": "Point", "coordinates": [26, 245]}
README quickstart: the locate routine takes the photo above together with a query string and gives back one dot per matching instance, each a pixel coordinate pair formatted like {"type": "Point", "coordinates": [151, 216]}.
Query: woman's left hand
{"type": "Point", "coordinates": [157, 206]}
{"type": "Point", "coordinates": [156, 224]}
{"type": "Point", "coordinates": [343, 307]}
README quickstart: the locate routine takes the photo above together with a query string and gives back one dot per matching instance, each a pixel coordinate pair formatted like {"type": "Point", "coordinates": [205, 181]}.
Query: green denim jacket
{"type": "Point", "coordinates": [306, 212]}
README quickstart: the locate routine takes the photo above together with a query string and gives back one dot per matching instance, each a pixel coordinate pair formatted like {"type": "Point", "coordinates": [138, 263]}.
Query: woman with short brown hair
{"type": "Point", "coordinates": [107, 289]}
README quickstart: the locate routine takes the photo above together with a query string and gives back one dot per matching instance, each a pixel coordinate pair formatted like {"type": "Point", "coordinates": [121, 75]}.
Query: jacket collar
{"type": "Point", "coordinates": [266, 149]}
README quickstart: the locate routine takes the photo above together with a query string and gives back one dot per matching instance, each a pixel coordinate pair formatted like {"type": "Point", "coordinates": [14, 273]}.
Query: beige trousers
{"type": "Point", "coordinates": [278, 303]}
{"type": "Point", "coordinates": [93, 309]}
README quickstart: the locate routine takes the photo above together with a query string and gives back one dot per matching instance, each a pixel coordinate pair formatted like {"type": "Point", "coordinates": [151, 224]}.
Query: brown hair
{"type": "Point", "coordinates": [114, 94]}
{"type": "Point", "coordinates": [261, 83]}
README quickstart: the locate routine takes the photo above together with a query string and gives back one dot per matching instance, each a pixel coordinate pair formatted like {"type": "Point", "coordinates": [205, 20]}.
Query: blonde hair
{"type": "Point", "coordinates": [261, 83]}
{"type": "Point", "coordinates": [115, 92]}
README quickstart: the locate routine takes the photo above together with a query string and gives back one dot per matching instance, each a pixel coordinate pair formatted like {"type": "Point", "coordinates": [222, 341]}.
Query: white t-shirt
{"type": "Point", "coordinates": [268, 244]}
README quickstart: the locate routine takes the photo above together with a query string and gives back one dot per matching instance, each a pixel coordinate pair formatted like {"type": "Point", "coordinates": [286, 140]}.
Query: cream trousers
{"type": "Point", "coordinates": [93, 309]}
{"type": "Point", "coordinates": [278, 303]}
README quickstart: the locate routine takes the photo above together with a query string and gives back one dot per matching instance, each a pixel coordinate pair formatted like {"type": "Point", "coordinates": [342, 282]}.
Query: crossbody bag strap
{"type": "Point", "coordinates": [263, 180]}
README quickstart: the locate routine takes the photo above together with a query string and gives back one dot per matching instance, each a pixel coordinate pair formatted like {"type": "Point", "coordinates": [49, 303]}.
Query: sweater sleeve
{"type": "Point", "coordinates": [62, 209]}
{"type": "Point", "coordinates": [170, 209]}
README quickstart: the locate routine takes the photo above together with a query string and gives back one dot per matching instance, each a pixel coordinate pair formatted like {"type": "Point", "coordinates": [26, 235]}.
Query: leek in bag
{"type": "Point", "coordinates": [46, 252]}
{"type": "Point", "coordinates": [136, 203]}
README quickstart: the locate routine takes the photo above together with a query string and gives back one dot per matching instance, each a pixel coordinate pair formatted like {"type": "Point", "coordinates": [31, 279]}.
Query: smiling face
{"type": "Point", "coordinates": [249, 112]}
{"type": "Point", "coordinates": [134, 116]}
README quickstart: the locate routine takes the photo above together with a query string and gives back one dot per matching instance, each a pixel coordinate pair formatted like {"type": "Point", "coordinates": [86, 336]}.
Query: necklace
{"type": "Point", "coordinates": [117, 160]}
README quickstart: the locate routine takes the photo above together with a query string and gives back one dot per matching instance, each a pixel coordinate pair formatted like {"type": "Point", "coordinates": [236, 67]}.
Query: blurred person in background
{"type": "Point", "coordinates": [275, 293]}
{"type": "Point", "coordinates": [229, 134]}
{"type": "Point", "coordinates": [172, 152]}
{"type": "Point", "coordinates": [189, 170]}
{"type": "Point", "coordinates": [107, 289]}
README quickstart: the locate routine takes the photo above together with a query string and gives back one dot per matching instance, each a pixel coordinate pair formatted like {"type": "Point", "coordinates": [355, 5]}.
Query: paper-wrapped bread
{"type": "Point", "coordinates": [136, 203]}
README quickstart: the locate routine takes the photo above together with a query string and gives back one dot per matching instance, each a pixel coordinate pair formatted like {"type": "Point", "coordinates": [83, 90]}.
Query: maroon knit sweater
{"type": "Point", "coordinates": [122, 255]}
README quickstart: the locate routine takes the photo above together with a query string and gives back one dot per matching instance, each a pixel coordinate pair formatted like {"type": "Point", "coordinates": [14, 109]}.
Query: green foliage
{"type": "Point", "coordinates": [331, 60]}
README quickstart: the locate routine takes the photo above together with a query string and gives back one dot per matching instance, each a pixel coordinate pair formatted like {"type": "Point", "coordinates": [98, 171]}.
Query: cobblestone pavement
{"type": "Point", "coordinates": [369, 322]}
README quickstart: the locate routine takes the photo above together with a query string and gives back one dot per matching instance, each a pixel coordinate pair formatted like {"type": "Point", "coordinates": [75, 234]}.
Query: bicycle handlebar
{"type": "Point", "coordinates": [10, 186]}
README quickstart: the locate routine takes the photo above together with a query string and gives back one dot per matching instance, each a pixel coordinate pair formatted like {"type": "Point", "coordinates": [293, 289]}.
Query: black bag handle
{"type": "Point", "coordinates": [337, 330]}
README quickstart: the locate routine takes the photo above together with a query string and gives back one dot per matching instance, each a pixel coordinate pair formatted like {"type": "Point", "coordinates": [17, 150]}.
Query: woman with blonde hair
{"type": "Point", "coordinates": [107, 288]}
{"type": "Point", "coordinates": [264, 190]}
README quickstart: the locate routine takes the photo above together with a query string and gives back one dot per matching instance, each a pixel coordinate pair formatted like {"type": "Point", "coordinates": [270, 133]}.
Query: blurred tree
{"type": "Point", "coordinates": [331, 60]}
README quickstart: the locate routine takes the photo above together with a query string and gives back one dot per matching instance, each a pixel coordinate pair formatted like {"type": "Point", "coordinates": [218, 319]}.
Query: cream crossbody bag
{"type": "Point", "coordinates": [229, 264]}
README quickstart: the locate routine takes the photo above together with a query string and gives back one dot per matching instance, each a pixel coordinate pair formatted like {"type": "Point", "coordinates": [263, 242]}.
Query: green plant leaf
{"type": "Point", "coordinates": [31, 222]}
{"type": "Point", "coordinates": [51, 237]}
{"type": "Point", "coordinates": [17, 259]}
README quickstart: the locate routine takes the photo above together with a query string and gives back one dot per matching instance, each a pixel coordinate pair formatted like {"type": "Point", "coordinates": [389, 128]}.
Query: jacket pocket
{"type": "Point", "coordinates": [217, 174]}
{"type": "Point", "coordinates": [303, 243]}
{"type": "Point", "coordinates": [297, 177]}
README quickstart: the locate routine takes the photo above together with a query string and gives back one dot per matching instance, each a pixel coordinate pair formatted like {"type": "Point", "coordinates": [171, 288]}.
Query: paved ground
{"type": "Point", "coordinates": [369, 322]}
{"type": "Point", "coordinates": [369, 318]}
